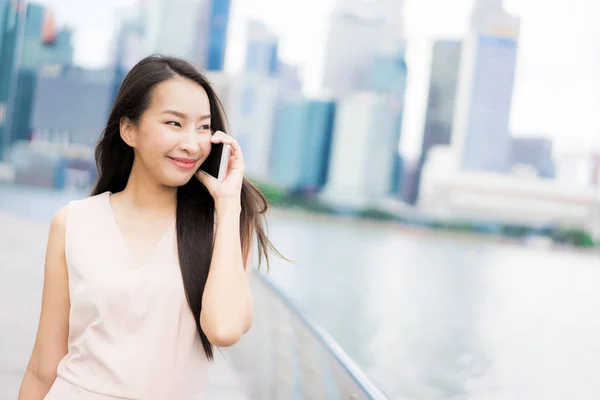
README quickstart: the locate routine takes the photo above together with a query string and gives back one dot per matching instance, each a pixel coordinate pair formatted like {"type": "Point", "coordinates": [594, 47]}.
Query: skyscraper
{"type": "Point", "coordinates": [388, 72]}
{"type": "Point", "coordinates": [11, 34]}
{"type": "Point", "coordinates": [442, 95]}
{"type": "Point", "coordinates": [195, 30]}
{"type": "Point", "coordinates": [358, 30]}
{"type": "Point", "coordinates": [301, 144]}
{"type": "Point", "coordinates": [388, 76]}
{"type": "Point", "coordinates": [3, 12]}
{"type": "Point", "coordinates": [595, 179]}
{"type": "Point", "coordinates": [171, 27]}
{"type": "Point", "coordinates": [255, 97]}
{"type": "Point", "coordinates": [289, 78]}
{"type": "Point", "coordinates": [218, 25]}
{"type": "Point", "coordinates": [485, 87]}
{"type": "Point", "coordinates": [261, 50]}
{"type": "Point", "coordinates": [535, 152]}
{"type": "Point", "coordinates": [74, 115]}
{"type": "Point", "coordinates": [42, 44]}
{"type": "Point", "coordinates": [439, 117]}
{"type": "Point", "coordinates": [364, 149]}
{"type": "Point", "coordinates": [127, 48]}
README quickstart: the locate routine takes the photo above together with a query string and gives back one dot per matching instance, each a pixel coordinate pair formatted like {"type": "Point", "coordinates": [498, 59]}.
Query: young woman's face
{"type": "Point", "coordinates": [173, 136]}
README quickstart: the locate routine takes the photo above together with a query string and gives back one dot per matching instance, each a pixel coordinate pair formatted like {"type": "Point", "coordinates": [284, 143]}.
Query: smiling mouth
{"type": "Point", "coordinates": [183, 163]}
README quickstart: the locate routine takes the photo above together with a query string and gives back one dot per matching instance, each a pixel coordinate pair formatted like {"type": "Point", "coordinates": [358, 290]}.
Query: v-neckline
{"type": "Point", "coordinates": [123, 244]}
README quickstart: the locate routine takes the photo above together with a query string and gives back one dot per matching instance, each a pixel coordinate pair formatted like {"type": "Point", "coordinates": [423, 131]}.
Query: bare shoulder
{"type": "Point", "coordinates": [59, 220]}
{"type": "Point", "coordinates": [56, 237]}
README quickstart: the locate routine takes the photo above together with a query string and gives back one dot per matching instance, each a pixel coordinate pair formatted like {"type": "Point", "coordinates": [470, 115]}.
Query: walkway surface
{"type": "Point", "coordinates": [22, 249]}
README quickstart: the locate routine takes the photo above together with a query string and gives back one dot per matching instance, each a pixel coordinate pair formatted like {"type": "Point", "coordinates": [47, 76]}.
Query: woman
{"type": "Point", "coordinates": [147, 274]}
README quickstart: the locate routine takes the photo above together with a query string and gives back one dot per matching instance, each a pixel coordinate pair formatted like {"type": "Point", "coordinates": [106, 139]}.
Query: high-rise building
{"type": "Point", "coordinates": [301, 144]}
{"type": "Point", "coordinates": [358, 30]}
{"type": "Point", "coordinates": [409, 178]}
{"type": "Point", "coordinates": [349, 49]}
{"type": "Point", "coordinates": [195, 30]}
{"type": "Point", "coordinates": [535, 152]}
{"type": "Point", "coordinates": [439, 117]}
{"type": "Point", "coordinates": [218, 25]}
{"type": "Point", "coordinates": [485, 88]}
{"type": "Point", "coordinates": [261, 50]}
{"type": "Point", "coordinates": [42, 44]}
{"type": "Point", "coordinates": [394, 21]}
{"type": "Point", "coordinates": [3, 12]}
{"type": "Point", "coordinates": [12, 26]}
{"type": "Point", "coordinates": [127, 48]}
{"type": "Point", "coordinates": [171, 27]}
{"type": "Point", "coordinates": [255, 97]}
{"type": "Point", "coordinates": [224, 85]}
{"type": "Point", "coordinates": [81, 92]}
{"type": "Point", "coordinates": [290, 81]}
{"type": "Point", "coordinates": [388, 72]}
{"type": "Point", "coordinates": [595, 178]}
{"type": "Point", "coordinates": [364, 151]}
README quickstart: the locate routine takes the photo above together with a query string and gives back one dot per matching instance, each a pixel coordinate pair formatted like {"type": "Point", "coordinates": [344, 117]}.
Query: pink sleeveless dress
{"type": "Point", "coordinates": [132, 334]}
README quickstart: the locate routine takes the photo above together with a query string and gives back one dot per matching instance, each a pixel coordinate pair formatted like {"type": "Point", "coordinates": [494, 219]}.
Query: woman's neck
{"type": "Point", "coordinates": [147, 197]}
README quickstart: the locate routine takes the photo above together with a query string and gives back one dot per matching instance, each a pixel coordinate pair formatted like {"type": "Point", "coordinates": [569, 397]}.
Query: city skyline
{"type": "Point", "coordinates": [568, 57]}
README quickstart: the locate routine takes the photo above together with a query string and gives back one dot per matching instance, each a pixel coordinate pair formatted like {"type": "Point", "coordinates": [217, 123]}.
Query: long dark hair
{"type": "Point", "coordinates": [195, 205]}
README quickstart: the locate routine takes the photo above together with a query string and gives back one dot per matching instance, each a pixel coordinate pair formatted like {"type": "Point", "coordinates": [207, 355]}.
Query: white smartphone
{"type": "Point", "coordinates": [217, 161]}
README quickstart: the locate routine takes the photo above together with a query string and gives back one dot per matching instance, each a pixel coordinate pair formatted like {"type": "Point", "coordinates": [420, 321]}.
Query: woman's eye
{"type": "Point", "coordinates": [174, 123]}
{"type": "Point", "coordinates": [205, 128]}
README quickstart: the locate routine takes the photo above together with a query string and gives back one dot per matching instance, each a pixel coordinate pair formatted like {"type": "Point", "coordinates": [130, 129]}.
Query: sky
{"type": "Point", "coordinates": [557, 88]}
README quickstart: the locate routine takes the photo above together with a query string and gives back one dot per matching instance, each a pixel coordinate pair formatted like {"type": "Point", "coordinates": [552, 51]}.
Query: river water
{"type": "Point", "coordinates": [429, 315]}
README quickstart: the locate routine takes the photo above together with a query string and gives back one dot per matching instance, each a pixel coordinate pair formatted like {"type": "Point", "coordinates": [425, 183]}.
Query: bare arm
{"type": "Point", "coordinates": [51, 340]}
{"type": "Point", "coordinates": [227, 306]}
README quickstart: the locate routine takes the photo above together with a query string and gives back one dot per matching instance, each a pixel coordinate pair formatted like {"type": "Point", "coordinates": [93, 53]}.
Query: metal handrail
{"type": "Point", "coordinates": [329, 343]}
{"type": "Point", "coordinates": [286, 355]}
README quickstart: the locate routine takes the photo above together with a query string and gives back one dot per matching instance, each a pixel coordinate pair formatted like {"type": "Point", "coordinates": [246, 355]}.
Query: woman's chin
{"type": "Point", "coordinates": [179, 180]}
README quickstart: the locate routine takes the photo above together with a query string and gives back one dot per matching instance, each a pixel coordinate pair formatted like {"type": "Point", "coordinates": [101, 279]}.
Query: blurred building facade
{"type": "Point", "coordinates": [300, 149]}
{"type": "Point", "coordinates": [535, 152]}
{"type": "Point", "coordinates": [127, 48]}
{"type": "Point", "coordinates": [218, 24]}
{"type": "Point", "coordinates": [81, 91]}
{"type": "Point", "coordinates": [364, 152]}
{"type": "Point", "coordinates": [195, 30]}
{"type": "Point", "coordinates": [578, 168]}
{"type": "Point", "coordinates": [30, 40]}
{"type": "Point", "coordinates": [448, 192]}
{"type": "Point", "coordinates": [170, 27]}
{"type": "Point", "coordinates": [485, 87]}
{"type": "Point", "coordinates": [388, 76]}
{"type": "Point", "coordinates": [358, 31]}
{"type": "Point", "coordinates": [43, 44]}
{"type": "Point", "coordinates": [261, 50]}
{"type": "Point", "coordinates": [439, 116]}
{"type": "Point", "coordinates": [12, 26]}
{"type": "Point", "coordinates": [290, 81]}
{"type": "Point", "coordinates": [595, 178]}
{"type": "Point", "coordinates": [354, 31]}
{"type": "Point", "coordinates": [252, 114]}
{"type": "Point", "coordinates": [388, 72]}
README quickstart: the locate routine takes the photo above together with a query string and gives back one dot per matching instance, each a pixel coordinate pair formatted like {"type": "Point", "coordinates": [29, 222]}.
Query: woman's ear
{"type": "Point", "coordinates": [127, 129]}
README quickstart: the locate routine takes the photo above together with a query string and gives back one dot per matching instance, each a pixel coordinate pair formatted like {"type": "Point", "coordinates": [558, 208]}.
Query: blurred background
{"type": "Point", "coordinates": [433, 166]}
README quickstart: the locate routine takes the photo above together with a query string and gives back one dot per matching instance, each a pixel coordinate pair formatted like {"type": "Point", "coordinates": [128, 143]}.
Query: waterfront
{"type": "Point", "coordinates": [430, 316]}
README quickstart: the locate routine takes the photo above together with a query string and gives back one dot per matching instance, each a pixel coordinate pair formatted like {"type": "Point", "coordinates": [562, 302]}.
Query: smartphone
{"type": "Point", "coordinates": [217, 161]}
